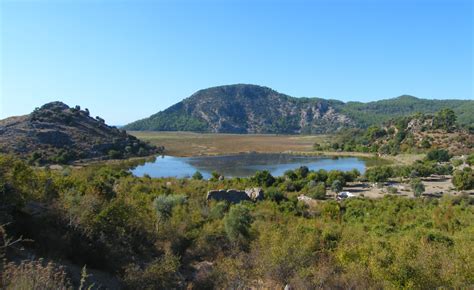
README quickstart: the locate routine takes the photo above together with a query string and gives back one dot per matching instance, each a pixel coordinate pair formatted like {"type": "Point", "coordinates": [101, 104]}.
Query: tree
{"type": "Point", "coordinates": [302, 172]}
{"type": "Point", "coordinates": [237, 224]}
{"type": "Point", "coordinates": [215, 176]}
{"type": "Point", "coordinates": [417, 187]}
{"type": "Point", "coordinates": [263, 178]}
{"type": "Point", "coordinates": [337, 186]}
{"type": "Point", "coordinates": [197, 176]}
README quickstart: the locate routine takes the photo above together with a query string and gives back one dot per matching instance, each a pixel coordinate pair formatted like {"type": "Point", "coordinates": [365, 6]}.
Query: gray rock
{"type": "Point", "coordinates": [236, 196]}
{"type": "Point", "coordinates": [255, 193]}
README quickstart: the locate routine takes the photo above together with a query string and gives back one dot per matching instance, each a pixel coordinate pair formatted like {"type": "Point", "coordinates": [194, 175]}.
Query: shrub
{"type": "Point", "coordinates": [290, 174]}
{"type": "Point", "coordinates": [334, 175]}
{"type": "Point", "coordinates": [263, 178]}
{"type": "Point", "coordinates": [439, 155]}
{"type": "Point", "coordinates": [274, 194]}
{"type": "Point", "coordinates": [159, 274]}
{"type": "Point", "coordinates": [392, 190]}
{"type": "Point", "coordinates": [237, 224]}
{"type": "Point", "coordinates": [470, 160]}
{"type": "Point", "coordinates": [114, 154]}
{"type": "Point", "coordinates": [197, 176]}
{"type": "Point", "coordinates": [336, 186]}
{"type": "Point", "coordinates": [318, 191]}
{"type": "Point", "coordinates": [379, 173]}
{"type": "Point", "coordinates": [417, 187]}
{"type": "Point", "coordinates": [164, 204]}
{"type": "Point", "coordinates": [463, 179]}
{"type": "Point", "coordinates": [302, 171]}
{"type": "Point", "coordinates": [457, 162]}
{"type": "Point", "coordinates": [215, 176]}
{"type": "Point", "coordinates": [34, 275]}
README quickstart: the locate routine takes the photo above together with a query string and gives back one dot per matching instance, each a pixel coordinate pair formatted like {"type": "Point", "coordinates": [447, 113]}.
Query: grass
{"type": "Point", "coordinates": [195, 144]}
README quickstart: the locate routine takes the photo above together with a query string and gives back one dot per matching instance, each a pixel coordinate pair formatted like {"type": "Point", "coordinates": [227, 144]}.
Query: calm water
{"type": "Point", "coordinates": [242, 165]}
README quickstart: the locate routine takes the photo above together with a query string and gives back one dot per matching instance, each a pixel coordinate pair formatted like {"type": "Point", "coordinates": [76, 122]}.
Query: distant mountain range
{"type": "Point", "coordinates": [243, 108]}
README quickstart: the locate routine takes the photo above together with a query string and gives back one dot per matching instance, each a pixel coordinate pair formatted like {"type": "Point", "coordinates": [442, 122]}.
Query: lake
{"type": "Point", "coordinates": [242, 165]}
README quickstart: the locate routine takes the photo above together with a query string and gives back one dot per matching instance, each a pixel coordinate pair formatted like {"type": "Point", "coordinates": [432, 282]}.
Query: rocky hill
{"type": "Point", "coordinates": [246, 109]}
{"type": "Point", "coordinates": [255, 109]}
{"type": "Point", "coordinates": [411, 134]}
{"type": "Point", "coordinates": [57, 133]}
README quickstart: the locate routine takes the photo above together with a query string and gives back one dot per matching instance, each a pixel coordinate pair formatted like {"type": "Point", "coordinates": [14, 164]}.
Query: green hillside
{"type": "Point", "coordinates": [253, 109]}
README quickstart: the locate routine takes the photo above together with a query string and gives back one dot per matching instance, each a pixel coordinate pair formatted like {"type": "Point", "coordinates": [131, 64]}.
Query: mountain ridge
{"type": "Point", "coordinates": [246, 108]}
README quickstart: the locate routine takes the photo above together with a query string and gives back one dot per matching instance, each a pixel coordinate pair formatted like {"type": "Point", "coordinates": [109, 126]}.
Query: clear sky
{"type": "Point", "coordinates": [126, 60]}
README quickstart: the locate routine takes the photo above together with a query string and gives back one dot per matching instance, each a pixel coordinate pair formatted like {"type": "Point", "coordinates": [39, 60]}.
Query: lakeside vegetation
{"type": "Point", "coordinates": [162, 233]}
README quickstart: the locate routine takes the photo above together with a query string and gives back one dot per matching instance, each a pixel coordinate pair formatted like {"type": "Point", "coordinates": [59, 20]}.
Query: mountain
{"type": "Point", "coordinates": [375, 113]}
{"type": "Point", "coordinates": [246, 108]}
{"type": "Point", "coordinates": [57, 133]}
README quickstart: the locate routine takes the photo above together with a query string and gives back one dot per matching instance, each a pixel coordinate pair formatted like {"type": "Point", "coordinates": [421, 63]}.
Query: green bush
{"type": "Point", "coordinates": [336, 186]}
{"type": "Point", "coordinates": [197, 176]}
{"type": "Point", "coordinates": [274, 194]}
{"type": "Point", "coordinates": [237, 225]}
{"type": "Point", "coordinates": [439, 155]}
{"type": "Point", "coordinates": [164, 204]}
{"type": "Point", "coordinates": [263, 178]}
{"type": "Point", "coordinates": [417, 187]}
{"type": "Point", "coordinates": [464, 179]}
{"type": "Point", "coordinates": [318, 191]}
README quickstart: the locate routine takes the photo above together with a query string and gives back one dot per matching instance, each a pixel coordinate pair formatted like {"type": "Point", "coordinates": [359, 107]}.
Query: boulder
{"type": "Point", "coordinates": [255, 193]}
{"type": "Point", "coordinates": [236, 196]}
{"type": "Point", "coordinates": [231, 195]}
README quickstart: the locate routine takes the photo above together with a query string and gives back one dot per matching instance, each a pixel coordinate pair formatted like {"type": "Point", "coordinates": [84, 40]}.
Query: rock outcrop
{"type": "Point", "coordinates": [236, 196]}
{"type": "Point", "coordinates": [57, 133]}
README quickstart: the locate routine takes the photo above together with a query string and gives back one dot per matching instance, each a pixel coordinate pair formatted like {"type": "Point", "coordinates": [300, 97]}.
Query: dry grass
{"type": "Point", "coordinates": [34, 275]}
{"type": "Point", "coordinates": [194, 144]}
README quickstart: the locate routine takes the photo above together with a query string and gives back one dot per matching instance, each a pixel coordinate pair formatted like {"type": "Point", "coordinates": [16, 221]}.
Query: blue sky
{"type": "Point", "coordinates": [126, 60]}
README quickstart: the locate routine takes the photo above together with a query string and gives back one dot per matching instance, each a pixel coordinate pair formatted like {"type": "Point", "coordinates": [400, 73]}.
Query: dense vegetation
{"type": "Point", "coordinates": [57, 133]}
{"type": "Point", "coordinates": [162, 233]}
{"type": "Point", "coordinates": [255, 109]}
{"type": "Point", "coordinates": [411, 134]}
{"type": "Point", "coordinates": [377, 112]}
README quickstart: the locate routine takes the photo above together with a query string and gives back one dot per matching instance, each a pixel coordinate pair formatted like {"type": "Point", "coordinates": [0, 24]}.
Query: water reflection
{"type": "Point", "coordinates": [242, 165]}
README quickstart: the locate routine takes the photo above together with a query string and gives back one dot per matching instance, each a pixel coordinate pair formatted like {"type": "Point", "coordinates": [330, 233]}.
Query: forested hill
{"type": "Point", "coordinates": [245, 108]}
{"type": "Point", "coordinates": [375, 113]}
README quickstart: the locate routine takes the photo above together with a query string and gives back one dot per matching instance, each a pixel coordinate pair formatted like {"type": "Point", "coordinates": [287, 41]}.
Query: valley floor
{"type": "Point", "coordinates": [194, 144]}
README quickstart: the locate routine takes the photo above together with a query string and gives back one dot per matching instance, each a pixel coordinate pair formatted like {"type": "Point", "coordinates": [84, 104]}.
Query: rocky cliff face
{"type": "Point", "coordinates": [247, 109]}
{"type": "Point", "coordinates": [56, 133]}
